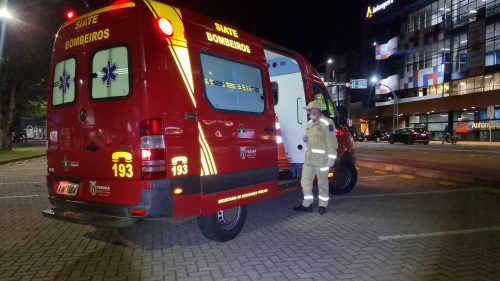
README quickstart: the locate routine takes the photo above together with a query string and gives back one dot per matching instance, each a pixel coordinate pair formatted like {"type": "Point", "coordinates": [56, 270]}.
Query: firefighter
{"type": "Point", "coordinates": [320, 156]}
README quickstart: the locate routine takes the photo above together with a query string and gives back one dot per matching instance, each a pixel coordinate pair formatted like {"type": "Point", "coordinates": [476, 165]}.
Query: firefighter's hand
{"type": "Point", "coordinates": [304, 138]}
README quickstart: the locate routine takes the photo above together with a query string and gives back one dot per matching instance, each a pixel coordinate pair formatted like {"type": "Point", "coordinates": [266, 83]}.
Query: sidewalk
{"type": "Point", "coordinates": [478, 143]}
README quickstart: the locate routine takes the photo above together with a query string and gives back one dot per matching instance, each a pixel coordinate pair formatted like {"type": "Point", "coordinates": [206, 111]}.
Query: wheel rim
{"type": "Point", "coordinates": [229, 218]}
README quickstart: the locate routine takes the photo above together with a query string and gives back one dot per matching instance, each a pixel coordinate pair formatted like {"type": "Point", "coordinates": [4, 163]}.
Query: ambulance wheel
{"type": "Point", "coordinates": [223, 225]}
{"type": "Point", "coordinates": [345, 180]}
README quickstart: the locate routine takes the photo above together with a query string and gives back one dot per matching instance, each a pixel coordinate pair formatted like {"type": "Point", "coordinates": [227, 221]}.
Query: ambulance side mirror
{"type": "Point", "coordinates": [275, 87]}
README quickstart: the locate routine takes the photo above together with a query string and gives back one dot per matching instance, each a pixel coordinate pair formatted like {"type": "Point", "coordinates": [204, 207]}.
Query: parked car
{"type": "Point", "coordinates": [410, 135]}
{"type": "Point", "coordinates": [358, 136]}
{"type": "Point", "coordinates": [377, 135]}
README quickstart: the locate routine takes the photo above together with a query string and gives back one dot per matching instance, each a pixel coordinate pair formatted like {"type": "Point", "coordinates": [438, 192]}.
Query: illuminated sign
{"type": "Point", "coordinates": [222, 40]}
{"type": "Point", "coordinates": [486, 125]}
{"type": "Point", "coordinates": [372, 10]}
{"type": "Point", "coordinates": [179, 165]}
{"type": "Point", "coordinates": [119, 168]}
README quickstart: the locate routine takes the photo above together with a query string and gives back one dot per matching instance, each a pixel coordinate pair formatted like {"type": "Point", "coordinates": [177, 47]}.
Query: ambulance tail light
{"type": "Point", "coordinates": [153, 150]}
{"type": "Point", "coordinates": [166, 27]}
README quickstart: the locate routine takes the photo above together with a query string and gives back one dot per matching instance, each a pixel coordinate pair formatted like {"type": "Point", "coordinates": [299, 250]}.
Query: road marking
{"type": "Point", "coordinates": [416, 193]}
{"type": "Point", "coordinates": [441, 233]}
{"type": "Point", "coordinates": [19, 196]}
{"type": "Point", "coordinates": [448, 183]}
{"type": "Point", "coordinates": [488, 152]}
{"type": "Point", "coordinates": [408, 177]}
{"type": "Point", "coordinates": [22, 182]}
{"type": "Point", "coordinates": [377, 177]}
{"type": "Point", "coordinates": [380, 172]}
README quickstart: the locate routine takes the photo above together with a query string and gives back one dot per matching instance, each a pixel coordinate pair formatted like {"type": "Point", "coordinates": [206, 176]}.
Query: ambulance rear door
{"type": "Point", "coordinates": [94, 109]}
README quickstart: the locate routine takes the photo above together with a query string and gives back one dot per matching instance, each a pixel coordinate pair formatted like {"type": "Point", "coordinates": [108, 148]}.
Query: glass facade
{"type": "Point", "coordinates": [454, 13]}
{"type": "Point", "coordinates": [449, 48]}
{"type": "Point", "coordinates": [476, 121]}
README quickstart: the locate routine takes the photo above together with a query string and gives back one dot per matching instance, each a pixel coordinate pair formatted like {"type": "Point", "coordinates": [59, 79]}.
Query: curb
{"type": "Point", "coordinates": [21, 159]}
{"type": "Point", "coordinates": [435, 174]}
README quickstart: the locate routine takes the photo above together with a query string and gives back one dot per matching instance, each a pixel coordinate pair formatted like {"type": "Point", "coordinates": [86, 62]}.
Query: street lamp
{"type": "Point", "coordinates": [395, 102]}
{"type": "Point", "coordinates": [4, 15]}
{"type": "Point", "coordinates": [328, 61]}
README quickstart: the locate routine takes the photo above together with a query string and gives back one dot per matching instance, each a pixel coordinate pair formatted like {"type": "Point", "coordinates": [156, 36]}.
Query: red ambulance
{"type": "Point", "coordinates": [156, 111]}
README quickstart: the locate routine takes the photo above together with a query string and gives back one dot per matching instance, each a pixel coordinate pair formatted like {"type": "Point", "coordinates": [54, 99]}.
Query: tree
{"type": "Point", "coordinates": [25, 64]}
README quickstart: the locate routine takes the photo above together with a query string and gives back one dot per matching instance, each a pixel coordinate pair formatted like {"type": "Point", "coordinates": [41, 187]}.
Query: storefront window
{"type": "Point", "coordinates": [446, 88]}
{"type": "Point", "coordinates": [496, 81]}
{"type": "Point", "coordinates": [469, 86]}
{"type": "Point", "coordinates": [488, 82]}
{"type": "Point", "coordinates": [431, 90]}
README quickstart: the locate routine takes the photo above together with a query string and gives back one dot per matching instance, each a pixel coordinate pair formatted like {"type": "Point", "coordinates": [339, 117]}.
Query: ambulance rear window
{"type": "Point", "coordinates": [64, 82]}
{"type": "Point", "coordinates": [234, 86]}
{"type": "Point", "coordinates": [110, 77]}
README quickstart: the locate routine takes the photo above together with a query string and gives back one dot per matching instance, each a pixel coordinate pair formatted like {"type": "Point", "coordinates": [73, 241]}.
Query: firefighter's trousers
{"type": "Point", "coordinates": [308, 173]}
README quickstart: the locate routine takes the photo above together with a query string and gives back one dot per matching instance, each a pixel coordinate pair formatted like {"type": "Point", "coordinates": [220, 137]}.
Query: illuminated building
{"type": "Point", "coordinates": [441, 57]}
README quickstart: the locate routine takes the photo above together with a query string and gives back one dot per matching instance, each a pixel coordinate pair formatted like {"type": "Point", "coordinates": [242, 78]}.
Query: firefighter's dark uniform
{"type": "Point", "coordinates": [321, 152]}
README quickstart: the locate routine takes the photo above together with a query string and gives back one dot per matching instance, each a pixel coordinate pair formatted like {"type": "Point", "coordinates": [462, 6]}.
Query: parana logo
{"type": "Point", "coordinates": [370, 11]}
{"type": "Point", "coordinates": [101, 190]}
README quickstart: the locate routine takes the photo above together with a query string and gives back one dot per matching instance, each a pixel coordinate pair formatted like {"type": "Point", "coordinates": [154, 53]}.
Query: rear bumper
{"type": "Point", "coordinates": [157, 201]}
{"type": "Point", "coordinates": [94, 219]}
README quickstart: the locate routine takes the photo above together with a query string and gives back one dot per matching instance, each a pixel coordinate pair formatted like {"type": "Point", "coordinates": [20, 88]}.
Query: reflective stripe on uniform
{"type": "Point", "coordinates": [323, 198]}
{"type": "Point", "coordinates": [320, 151]}
{"type": "Point", "coordinates": [324, 169]}
{"type": "Point", "coordinates": [306, 197]}
{"type": "Point", "coordinates": [332, 156]}
{"type": "Point", "coordinates": [324, 121]}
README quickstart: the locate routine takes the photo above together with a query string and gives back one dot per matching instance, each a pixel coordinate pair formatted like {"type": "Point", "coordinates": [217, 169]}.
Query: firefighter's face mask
{"type": "Point", "coordinates": [313, 114]}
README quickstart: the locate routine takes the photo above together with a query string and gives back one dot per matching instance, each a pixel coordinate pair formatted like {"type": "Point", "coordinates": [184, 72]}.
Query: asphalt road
{"type": "Point", "coordinates": [391, 227]}
{"type": "Point", "coordinates": [471, 148]}
{"type": "Point", "coordinates": [482, 161]}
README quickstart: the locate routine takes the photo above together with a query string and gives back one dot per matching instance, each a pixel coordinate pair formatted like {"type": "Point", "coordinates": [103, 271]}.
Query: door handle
{"type": "Point", "coordinates": [92, 147]}
{"type": "Point", "coordinates": [298, 112]}
{"type": "Point", "coordinates": [269, 130]}
{"type": "Point", "coordinates": [190, 116]}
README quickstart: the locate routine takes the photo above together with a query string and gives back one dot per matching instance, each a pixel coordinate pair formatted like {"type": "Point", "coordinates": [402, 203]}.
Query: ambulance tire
{"type": "Point", "coordinates": [223, 225]}
{"type": "Point", "coordinates": [346, 179]}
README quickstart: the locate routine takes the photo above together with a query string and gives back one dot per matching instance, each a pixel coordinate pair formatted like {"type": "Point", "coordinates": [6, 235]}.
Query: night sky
{"type": "Point", "coordinates": [317, 29]}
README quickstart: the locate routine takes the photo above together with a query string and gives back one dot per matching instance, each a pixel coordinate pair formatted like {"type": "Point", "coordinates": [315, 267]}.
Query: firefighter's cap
{"type": "Point", "coordinates": [313, 104]}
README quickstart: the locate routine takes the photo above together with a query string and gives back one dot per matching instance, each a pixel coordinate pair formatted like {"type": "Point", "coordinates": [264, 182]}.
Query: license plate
{"type": "Point", "coordinates": [67, 188]}
{"type": "Point", "coordinates": [423, 135]}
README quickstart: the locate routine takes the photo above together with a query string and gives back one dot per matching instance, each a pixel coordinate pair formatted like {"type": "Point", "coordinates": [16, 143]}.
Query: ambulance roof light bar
{"type": "Point", "coordinates": [70, 14]}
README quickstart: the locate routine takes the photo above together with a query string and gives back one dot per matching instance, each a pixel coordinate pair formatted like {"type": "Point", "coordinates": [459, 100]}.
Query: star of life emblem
{"type": "Point", "coordinates": [64, 82]}
{"type": "Point", "coordinates": [109, 73]}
